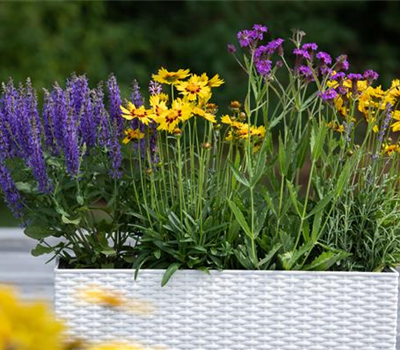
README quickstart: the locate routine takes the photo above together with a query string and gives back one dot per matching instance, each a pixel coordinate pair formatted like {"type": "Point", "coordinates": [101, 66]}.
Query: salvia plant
{"type": "Point", "coordinates": [302, 174]}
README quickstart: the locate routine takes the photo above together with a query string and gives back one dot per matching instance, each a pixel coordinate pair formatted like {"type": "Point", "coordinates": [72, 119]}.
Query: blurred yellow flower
{"type": "Point", "coordinates": [113, 299]}
{"type": "Point", "coordinates": [336, 126]}
{"type": "Point", "coordinates": [396, 126]}
{"type": "Point", "coordinates": [390, 149]}
{"type": "Point", "coordinates": [27, 326]}
{"type": "Point", "coordinates": [132, 135]}
{"type": "Point", "coordinates": [204, 114]}
{"type": "Point", "coordinates": [166, 77]}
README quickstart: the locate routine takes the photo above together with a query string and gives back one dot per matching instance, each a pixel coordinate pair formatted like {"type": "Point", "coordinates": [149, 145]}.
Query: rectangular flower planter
{"type": "Point", "coordinates": [246, 310]}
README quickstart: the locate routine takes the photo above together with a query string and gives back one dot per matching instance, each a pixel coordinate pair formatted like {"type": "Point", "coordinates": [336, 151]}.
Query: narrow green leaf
{"type": "Point", "coordinates": [321, 204]}
{"type": "Point", "coordinates": [240, 218]}
{"type": "Point", "coordinates": [293, 197]}
{"type": "Point", "coordinates": [264, 263]}
{"type": "Point", "coordinates": [170, 271]}
{"type": "Point", "coordinates": [325, 260]}
{"type": "Point", "coordinates": [239, 176]}
{"type": "Point", "coordinates": [282, 157]}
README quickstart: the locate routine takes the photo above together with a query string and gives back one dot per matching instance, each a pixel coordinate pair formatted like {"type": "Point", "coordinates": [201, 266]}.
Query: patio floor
{"type": "Point", "coordinates": [32, 276]}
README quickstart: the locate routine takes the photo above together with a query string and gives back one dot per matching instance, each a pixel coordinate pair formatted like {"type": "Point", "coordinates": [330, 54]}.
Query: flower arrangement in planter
{"type": "Point", "coordinates": [301, 177]}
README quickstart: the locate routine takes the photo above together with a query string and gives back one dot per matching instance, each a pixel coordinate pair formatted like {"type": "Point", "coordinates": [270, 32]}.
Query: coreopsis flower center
{"type": "Point", "coordinates": [193, 88]}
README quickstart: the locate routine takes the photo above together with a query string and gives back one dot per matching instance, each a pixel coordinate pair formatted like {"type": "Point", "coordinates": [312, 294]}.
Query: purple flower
{"type": "Point", "coordinates": [71, 148]}
{"type": "Point", "coordinates": [263, 67]}
{"type": "Point", "coordinates": [354, 76]}
{"type": "Point", "coordinates": [245, 38]}
{"type": "Point", "coordinates": [342, 63]}
{"type": "Point", "coordinates": [341, 90]}
{"type": "Point", "coordinates": [386, 122]}
{"type": "Point", "coordinates": [339, 77]}
{"type": "Point", "coordinates": [155, 88]}
{"type": "Point", "coordinates": [269, 49]}
{"type": "Point", "coordinates": [136, 96]}
{"type": "Point", "coordinates": [102, 115]}
{"type": "Point", "coordinates": [306, 72]}
{"type": "Point", "coordinates": [258, 31]}
{"type": "Point", "coordinates": [115, 152]}
{"type": "Point", "coordinates": [310, 47]}
{"type": "Point", "coordinates": [58, 115]}
{"type": "Point", "coordinates": [248, 37]}
{"type": "Point", "coordinates": [328, 95]}
{"type": "Point", "coordinates": [35, 160]}
{"type": "Point", "coordinates": [115, 102]}
{"type": "Point", "coordinates": [11, 195]}
{"type": "Point", "coordinates": [301, 54]}
{"type": "Point", "coordinates": [324, 58]}
{"type": "Point", "coordinates": [370, 76]}
{"type": "Point", "coordinates": [231, 48]}
{"type": "Point", "coordinates": [48, 122]}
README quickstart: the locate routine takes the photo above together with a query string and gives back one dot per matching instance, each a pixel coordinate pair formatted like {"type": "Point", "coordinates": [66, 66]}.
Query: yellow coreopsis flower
{"type": "Point", "coordinates": [336, 127]}
{"type": "Point", "coordinates": [215, 81]}
{"type": "Point", "coordinates": [390, 149]}
{"type": "Point", "coordinates": [180, 111]}
{"type": "Point", "coordinates": [142, 114]}
{"type": "Point", "coordinates": [158, 102]}
{"type": "Point", "coordinates": [396, 125]}
{"type": "Point", "coordinates": [204, 114]}
{"type": "Point", "coordinates": [27, 326]}
{"type": "Point", "coordinates": [194, 88]}
{"type": "Point", "coordinates": [132, 135]}
{"type": "Point", "coordinates": [226, 119]}
{"type": "Point", "coordinates": [171, 78]}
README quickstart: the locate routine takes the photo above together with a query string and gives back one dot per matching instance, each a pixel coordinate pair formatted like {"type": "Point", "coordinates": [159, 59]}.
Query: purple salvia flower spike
{"type": "Point", "coordinates": [115, 102]}
{"type": "Point", "coordinates": [11, 195]}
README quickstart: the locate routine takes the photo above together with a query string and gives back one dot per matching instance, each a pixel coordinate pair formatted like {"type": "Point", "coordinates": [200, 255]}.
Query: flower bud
{"type": "Point", "coordinates": [177, 132]}
{"type": "Point", "coordinates": [242, 116]}
{"type": "Point", "coordinates": [206, 145]}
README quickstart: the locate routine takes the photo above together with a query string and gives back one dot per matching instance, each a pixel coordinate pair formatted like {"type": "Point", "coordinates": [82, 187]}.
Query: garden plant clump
{"type": "Point", "coordinates": [302, 174]}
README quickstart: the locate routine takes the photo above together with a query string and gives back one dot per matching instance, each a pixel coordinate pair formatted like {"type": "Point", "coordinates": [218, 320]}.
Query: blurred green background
{"type": "Point", "coordinates": [47, 41]}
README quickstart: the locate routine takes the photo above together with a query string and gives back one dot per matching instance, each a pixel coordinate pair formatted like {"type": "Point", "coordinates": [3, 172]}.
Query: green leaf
{"type": "Point", "coordinates": [25, 187]}
{"type": "Point", "coordinates": [321, 204]}
{"type": "Point", "coordinates": [170, 271]}
{"type": "Point", "coordinates": [282, 161]}
{"type": "Point", "coordinates": [239, 176]}
{"type": "Point", "coordinates": [109, 252]}
{"type": "Point", "coordinates": [293, 197]}
{"type": "Point", "coordinates": [65, 220]}
{"type": "Point", "coordinates": [240, 218]}
{"type": "Point", "coordinates": [264, 263]}
{"type": "Point", "coordinates": [40, 250]}
{"type": "Point", "coordinates": [38, 232]}
{"type": "Point", "coordinates": [325, 260]}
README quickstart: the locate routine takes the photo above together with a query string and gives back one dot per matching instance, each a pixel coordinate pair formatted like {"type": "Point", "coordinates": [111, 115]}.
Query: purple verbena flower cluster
{"type": "Point", "coordinates": [250, 37]}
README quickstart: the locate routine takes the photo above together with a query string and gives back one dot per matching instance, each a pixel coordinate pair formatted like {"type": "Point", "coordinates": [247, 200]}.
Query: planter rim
{"type": "Point", "coordinates": [238, 272]}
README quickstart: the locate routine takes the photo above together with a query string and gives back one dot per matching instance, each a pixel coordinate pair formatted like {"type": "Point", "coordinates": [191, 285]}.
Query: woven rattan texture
{"type": "Point", "coordinates": [235, 310]}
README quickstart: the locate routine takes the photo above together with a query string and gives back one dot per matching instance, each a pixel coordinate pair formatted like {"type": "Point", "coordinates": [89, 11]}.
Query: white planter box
{"type": "Point", "coordinates": [246, 310]}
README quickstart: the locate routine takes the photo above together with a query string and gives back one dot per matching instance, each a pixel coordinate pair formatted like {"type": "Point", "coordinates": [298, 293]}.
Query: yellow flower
{"type": "Point", "coordinates": [336, 127]}
{"type": "Point", "coordinates": [396, 126]}
{"type": "Point", "coordinates": [390, 149]}
{"type": "Point", "coordinates": [215, 81]}
{"type": "Point", "coordinates": [27, 326]}
{"type": "Point", "coordinates": [113, 299]}
{"type": "Point", "coordinates": [226, 119]}
{"type": "Point", "coordinates": [158, 102]}
{"type": "Point", "coordinates": [393, 94]}
{"type": "Point", "coordinates": [193, 88]}
{"type": "Point", "coordinates": [180, 111]}
{"type": "Point", "coordinates": [142, 114]}
{"type": "Point", "coordinates": [204, 114]}
{"type": "Point", "coordinates": [132, 135]}
{"type": "Point", "coordinates": [165, 77]}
